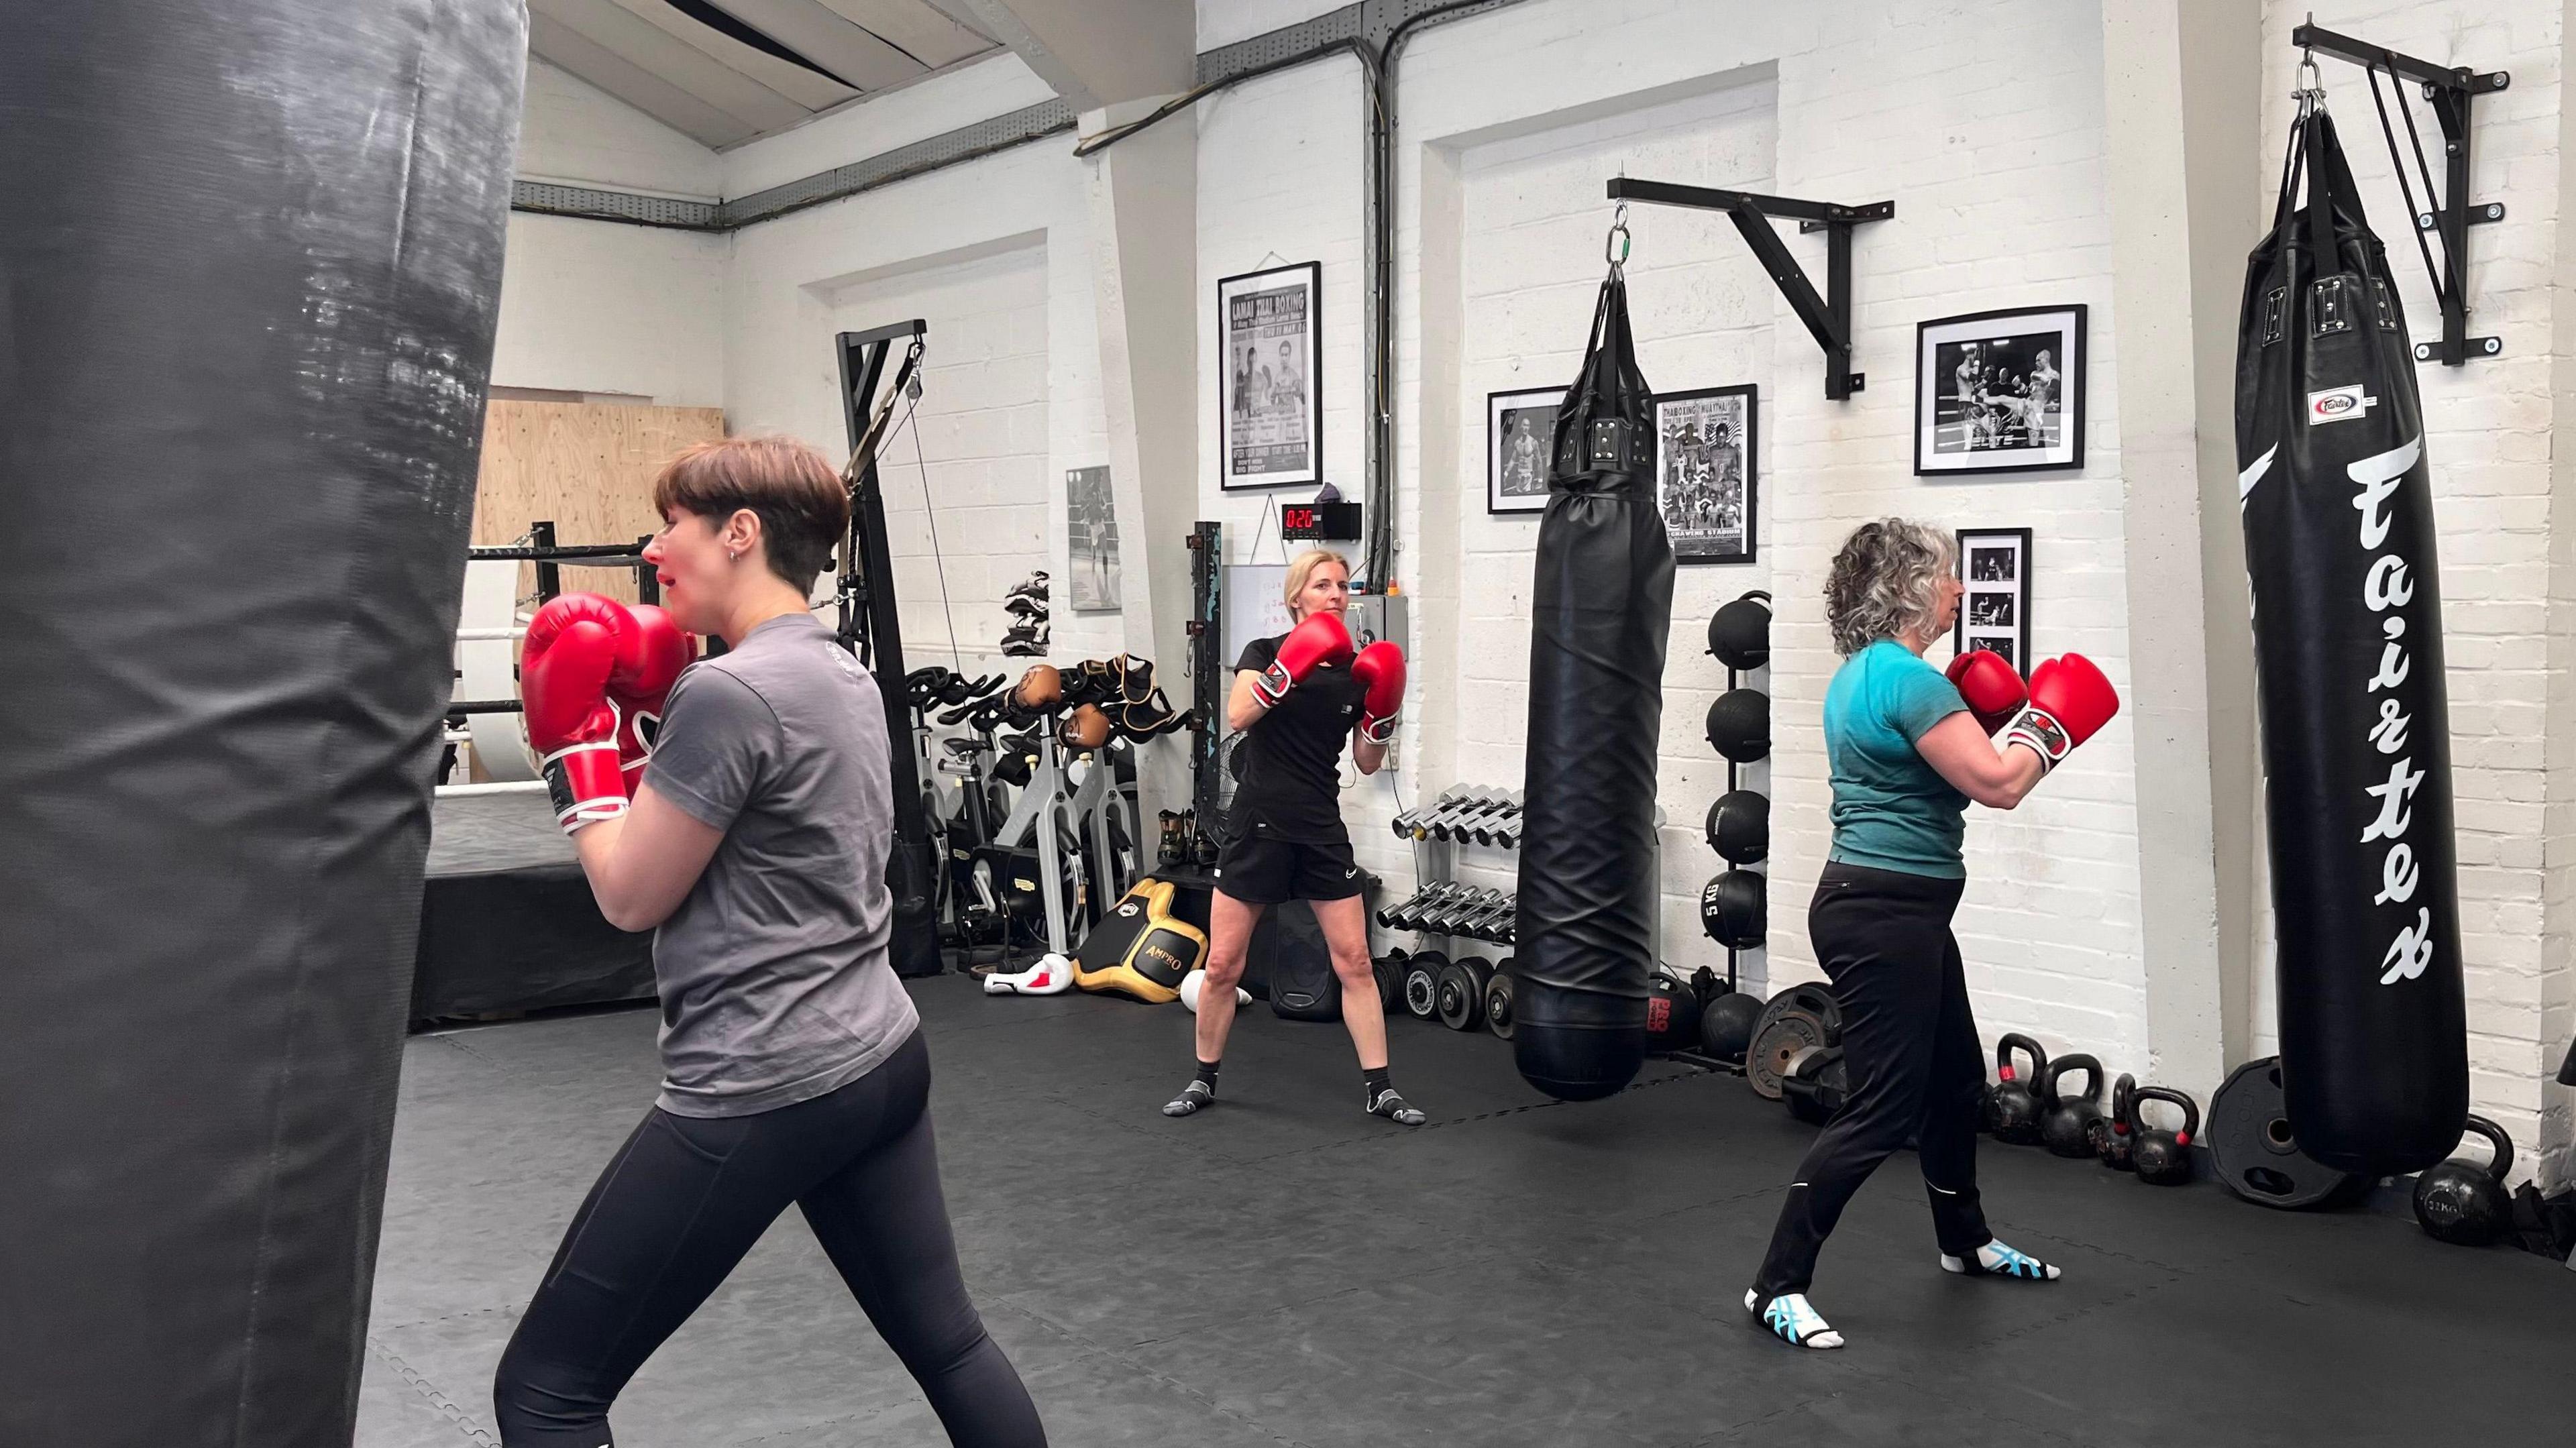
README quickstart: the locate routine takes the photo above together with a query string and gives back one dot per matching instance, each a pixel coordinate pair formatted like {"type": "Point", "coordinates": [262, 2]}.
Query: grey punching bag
{"type": "Point", "coordinates": [250, 263]}
{"type": "Point", "coordinates": [2339, 543]}
{"type": "Point", "coordinates": [1600, 611]}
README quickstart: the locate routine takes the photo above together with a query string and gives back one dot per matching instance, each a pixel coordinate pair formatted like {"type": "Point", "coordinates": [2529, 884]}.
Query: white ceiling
{"type": "Point", "coordinates": [720, 89]}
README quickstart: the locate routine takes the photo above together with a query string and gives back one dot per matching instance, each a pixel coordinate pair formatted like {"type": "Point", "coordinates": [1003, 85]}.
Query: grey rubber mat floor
{"type": "Point", "coordinates": [1285, 1270]}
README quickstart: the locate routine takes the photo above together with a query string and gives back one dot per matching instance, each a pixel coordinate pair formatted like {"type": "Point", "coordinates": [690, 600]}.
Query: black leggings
{"type": "Point", "coordinates": [1916, 1069]}
{"type": "Point", "coordinates": [686, 1197]}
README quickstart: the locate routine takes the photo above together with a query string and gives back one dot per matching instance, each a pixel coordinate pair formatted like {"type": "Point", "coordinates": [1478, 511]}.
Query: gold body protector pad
{"type": "Point", "coordinates": [1139, 948]}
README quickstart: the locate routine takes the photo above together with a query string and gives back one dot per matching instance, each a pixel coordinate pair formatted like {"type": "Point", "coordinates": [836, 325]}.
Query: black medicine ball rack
{"type": "Point", "coordinates": [1733, 907]}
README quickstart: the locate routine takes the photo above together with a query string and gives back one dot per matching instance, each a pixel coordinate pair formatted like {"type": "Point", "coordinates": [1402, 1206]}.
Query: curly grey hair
{"type": "Point", "coordinates": [1886, 579]}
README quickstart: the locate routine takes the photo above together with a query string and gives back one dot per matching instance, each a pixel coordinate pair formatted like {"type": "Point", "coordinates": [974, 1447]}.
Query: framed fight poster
{"type": "Point", "coordinates": [1994, 613]}
{"type": "Point", "coordinates": [1520, 447]}
{"type": "Point", "coordinates": [2000, 392]}
{"type": "Point", "coordinates": [1704, 483]}
{"type": "Point", "coordinates": [1269, 398]}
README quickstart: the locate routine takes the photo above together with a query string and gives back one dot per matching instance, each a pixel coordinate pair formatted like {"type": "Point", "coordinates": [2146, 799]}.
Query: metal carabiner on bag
{"type": "Point", "coordinates": [1615, 246]}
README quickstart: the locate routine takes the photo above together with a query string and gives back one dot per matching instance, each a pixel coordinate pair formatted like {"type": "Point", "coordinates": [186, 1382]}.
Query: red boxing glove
{"type": "Point", "coordinates": [1992, 690]}
{"type": "Point", "coordinates": [1381, 667]}
{"type": "Point", "coordinates": [2069, 701]}
{"type": "Point", "coordinates": [1321, 639]}
{"type": "Point", "coordinates": [651, 654]}
{"type": "Point", "coordinates": [572, 651]}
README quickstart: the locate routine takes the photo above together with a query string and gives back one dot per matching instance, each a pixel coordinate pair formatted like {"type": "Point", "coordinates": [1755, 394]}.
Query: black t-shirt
{"type": "Point", "coordinates": [1288, 767]}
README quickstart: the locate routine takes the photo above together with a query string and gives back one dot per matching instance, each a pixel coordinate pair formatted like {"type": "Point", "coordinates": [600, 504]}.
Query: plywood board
{"type": "Point", "coordinates": [589, 468]}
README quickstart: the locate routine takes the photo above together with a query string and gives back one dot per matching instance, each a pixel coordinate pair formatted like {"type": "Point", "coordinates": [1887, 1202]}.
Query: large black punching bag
{"type": "Point", "coordinates": [1600, 609]}
{"type": "Point", "coordinates": [2339, 540]}
{"type": "Point", "coordinates": [250, 263]}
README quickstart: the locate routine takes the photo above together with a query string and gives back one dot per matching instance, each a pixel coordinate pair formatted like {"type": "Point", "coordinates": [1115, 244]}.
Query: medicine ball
{"type": "Point", "coordinates": [1739, 725]}
{"type": "Point", "coordinates": [1739, 826]}
{"type": "Point", "coordinates": [1726, 1024]}
{"type": "Point", "coordinates": [1739, 633]}
{"type": "Point", "coordinates": [1733, 909]}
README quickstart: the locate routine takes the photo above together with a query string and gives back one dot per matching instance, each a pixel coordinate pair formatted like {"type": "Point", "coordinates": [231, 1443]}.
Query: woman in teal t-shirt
{"type": "Point", "coordinates": [1907, 748]}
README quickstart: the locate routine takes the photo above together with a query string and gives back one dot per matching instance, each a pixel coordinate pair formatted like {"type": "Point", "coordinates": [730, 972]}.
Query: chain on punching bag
{"type": "Point", "coordinates": [2339, 544]}
{"type": "Point", "coordinates": [1601, 608]}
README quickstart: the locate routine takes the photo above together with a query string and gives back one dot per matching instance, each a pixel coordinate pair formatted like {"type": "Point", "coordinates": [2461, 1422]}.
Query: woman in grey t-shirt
{"type": "Point", "coordinates": [793, 1066]}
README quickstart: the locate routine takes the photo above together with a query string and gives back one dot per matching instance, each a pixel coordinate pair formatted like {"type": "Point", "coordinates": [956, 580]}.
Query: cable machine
{"type": "Point", "coordinates": [869, 628]}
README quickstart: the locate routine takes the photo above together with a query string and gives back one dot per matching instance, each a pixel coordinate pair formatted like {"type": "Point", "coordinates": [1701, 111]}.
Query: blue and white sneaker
{"type": "Point", "coordinates": [1997, 1260]}
{"type": "Point", "coordinates": [1792, 1320]}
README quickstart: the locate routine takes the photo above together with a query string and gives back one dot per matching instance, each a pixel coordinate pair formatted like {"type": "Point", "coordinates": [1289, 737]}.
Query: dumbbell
{"type": "Point", "coordinates": [1486, 921]}
{"type": "Point", "coordinates": [1428, 818]}
{"type": "Point", "coordinates": [1462, 992]}
{"type": "Point", "coordinates": [1507, 835]}
{"type": "Point", "coordinates": [1454, 918]}
{"type": "Point", "coordinates": [1490, 829]}
{"type": "Point", "coordinates": [1447, 823]}
{"type": "Point", "coordinates": [1407, 822]}
{"type": "Point", "coordinates": [1400, 915]}
{"type": "Point", "coordinates": [1498, 1000]}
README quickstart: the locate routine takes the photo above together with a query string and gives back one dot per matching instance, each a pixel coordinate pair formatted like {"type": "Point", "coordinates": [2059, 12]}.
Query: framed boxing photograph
{"type": "Point", "coordinates": [2000, 392]}
{"type": "Point", "coordinates": [1704, 483]}
{"type": "Point", "coordinates": [1520, 445]}
{"type": "Point", "coordinates": [1994, 613]}
{"type": "Point", "coordinates": [1269, 396]}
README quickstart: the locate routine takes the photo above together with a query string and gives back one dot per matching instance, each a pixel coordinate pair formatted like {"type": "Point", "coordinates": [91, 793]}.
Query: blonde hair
{"type": "Point", "coordinates": [1301, 571]}
{"type": "Point", "coordinates": [1886, 579]}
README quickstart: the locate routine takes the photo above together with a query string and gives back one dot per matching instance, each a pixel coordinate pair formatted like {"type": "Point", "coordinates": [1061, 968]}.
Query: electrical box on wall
{"type": "Point", "coordinates": [1324, 522]}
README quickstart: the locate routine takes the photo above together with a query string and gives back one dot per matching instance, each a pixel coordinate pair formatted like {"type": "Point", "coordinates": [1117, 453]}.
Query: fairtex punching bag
{"type": "Point", "coordinates": [250, 268]}
{"type": "Point", "coordinates": [2339, 541]}
{"type": "Point", "coordinates": [1600, 609]}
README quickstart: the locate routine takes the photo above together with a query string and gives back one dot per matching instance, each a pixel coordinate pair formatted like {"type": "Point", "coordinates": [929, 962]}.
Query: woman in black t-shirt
{"type": "Point", "coordinates": [1297, 698]}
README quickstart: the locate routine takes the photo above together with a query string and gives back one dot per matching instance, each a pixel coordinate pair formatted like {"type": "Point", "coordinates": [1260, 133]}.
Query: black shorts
{"type": "Point", "coordinates": [1259, 868]}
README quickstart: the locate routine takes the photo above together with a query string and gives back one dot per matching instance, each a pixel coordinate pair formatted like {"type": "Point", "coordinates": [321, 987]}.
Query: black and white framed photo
{"type": "Point", "coordinates": [1091, 539]}
{"type": "Point", "coordinates": [1994, 613]}
{"type": "Point", "coordinates": [2000, 392]}
{"type": "Point", "coordinates": [1520, 444]}
{"type": "Point", "coordinates": [1704, 484]}
{"type": "Point", "coordinates": [1270, 402]}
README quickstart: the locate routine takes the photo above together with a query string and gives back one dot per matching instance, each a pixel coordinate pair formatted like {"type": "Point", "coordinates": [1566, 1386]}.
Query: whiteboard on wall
{"type": "Point", "coordinates": [1253, 606]}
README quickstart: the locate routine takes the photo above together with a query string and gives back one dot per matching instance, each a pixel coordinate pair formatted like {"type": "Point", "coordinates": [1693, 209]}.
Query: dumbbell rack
{"type": "Point", "coordinates": [1435, 858]}
{"type": "Point", "coordinates": [1435, 846]}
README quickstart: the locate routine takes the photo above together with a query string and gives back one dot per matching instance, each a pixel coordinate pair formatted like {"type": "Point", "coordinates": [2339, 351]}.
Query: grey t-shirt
{"type": "Point", "coordinates": [773, 972]}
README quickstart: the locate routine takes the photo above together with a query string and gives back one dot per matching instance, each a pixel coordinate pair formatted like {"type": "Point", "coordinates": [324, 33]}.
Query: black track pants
{"type": "Point", "coordinates": [686, 1197]}
{"type": "Point", "coordinates": [1916, 1068]}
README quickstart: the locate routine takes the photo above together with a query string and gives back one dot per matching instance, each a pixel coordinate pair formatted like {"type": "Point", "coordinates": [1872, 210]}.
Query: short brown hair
{"type": "Point", "coordinates": [803, 508]}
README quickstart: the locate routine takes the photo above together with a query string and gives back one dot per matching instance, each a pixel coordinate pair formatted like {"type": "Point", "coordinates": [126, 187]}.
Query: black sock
{"type": "Point", "coordinates": [1377, 1079]}
{"type": "Point", "coordinates": [1207, 1075]}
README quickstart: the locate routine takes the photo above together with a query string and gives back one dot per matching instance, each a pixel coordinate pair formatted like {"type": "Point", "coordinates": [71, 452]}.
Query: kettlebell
{"type": "Point", "coordinates": [2463, 1203]}
{"type": "Point", "coordinates": [2112, 1138]}
{"type": "Point", "coordinates": [2163, 1157]}
{"type": "Point", "coordinates": [2066, 1121]}
{"type": "Point", "coordinates": [2012, 1112]}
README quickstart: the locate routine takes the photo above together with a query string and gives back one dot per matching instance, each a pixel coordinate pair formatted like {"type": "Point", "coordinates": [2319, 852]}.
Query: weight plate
{"type": "Point", "coordinates": [1816, 1084]}
{"type": "Point", "coordinates": [1498, 1004]}
{"type": "Point", "coordinates": [2256, 1155]}
{"type": "Point", "coordinates": [1783, 1035]}
{"type": "Point", "coordinates": [1422, 984]}
{"type": "Point", "coordinates": [1462, 998]}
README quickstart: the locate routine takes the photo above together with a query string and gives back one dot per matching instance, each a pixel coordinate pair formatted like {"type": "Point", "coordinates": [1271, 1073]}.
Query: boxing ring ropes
{"type": "Point", "coordinates": [485, 714]}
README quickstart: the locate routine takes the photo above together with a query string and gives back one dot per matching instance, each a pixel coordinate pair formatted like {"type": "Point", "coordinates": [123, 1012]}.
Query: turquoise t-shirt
{"type": "Point", "coordinates": [1892, 810]}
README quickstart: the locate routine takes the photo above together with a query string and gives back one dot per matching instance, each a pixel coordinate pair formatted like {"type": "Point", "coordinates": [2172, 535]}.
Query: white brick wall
{"type": "Point", "coordinates": [593, 308]}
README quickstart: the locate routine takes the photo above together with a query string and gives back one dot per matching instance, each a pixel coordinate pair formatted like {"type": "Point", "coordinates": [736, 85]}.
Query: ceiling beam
{"type": "Point", "coordinates": [1094, 52]}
